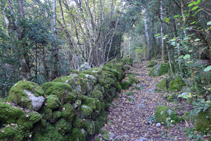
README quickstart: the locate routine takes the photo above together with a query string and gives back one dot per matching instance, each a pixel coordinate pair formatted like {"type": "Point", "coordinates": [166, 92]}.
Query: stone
{"type": "Point", "coordinates": [36, 101]}
{"type": "Point", "coordinates": [158, 125]}
{"type": "Point", "coordinates": [166, 115]}
{"type": "Point", "coordinates": [23, 93]}
{"type": "Point", "coordinates": [141, 106]}
{"type": "Point", "coordinates": [142, 139]}
{"type": "Point", "coordinates": [85, 66]}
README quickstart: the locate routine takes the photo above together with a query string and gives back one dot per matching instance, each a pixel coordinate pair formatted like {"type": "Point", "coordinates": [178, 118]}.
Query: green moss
{"type": "Point", "coordinates": [96, 94]}
{"type": "Point", "coordinates": [18, 122]}
{"type": "Point", "coordinates": [62, 126]}
{"type": "Point", "coordinates": [9, 114]}
{"type": "Point", "coordinates": [90, 127]}
{"type": "Point", "coordinates": [62, 79]}
{"type": "Point", "coordinates": [48, 134]}
{"type": "Point", "coordinates": [34, 117]}
{"type": "Point", "coordinates": [162, 84]}
{"type": "Point", "coordinates": [129, 93]}
{"type": "Point", "coordinates": [164, 68]}
{"type": "Point", "coordinates": [126, 67]}
{"type": "Point", "coordinates": [77, 135]}
{"type": "Point", "coordinates": [68, 112]}
{"type": "Point", "coordinates": [57, 114]}
{"type": "Point", "coordinates": [159, 70]}
{"type": "Point", "coordinates": [47, 114]}
{"type": "Point", "coordinates": [165, 115]}
{"type": "Point", "coordinates": [120, 75]}
{"type": "Point", "coordinates": [105, 134]}
{"type": "Point", "coordinates": [118, 66]}
{"type": "Point", "coordinates": [98, 105]}
{"type": "Point", "coordinates": [86, 111]}
{"type": "Point", "coordinates": [176, 84]}
{"type": "Point", "coordinates": [53, 102]}
{"type": "Point", "coordinates": [89, 102]}
{"type": "Point", "coordinates": [171, 97]}
{"type": "Point", "coordinates": [19, 97]}
{"type": "Point", "coordinates": [132, 79]}
{"type": "Point", "coordinates": [151, 64]}
{"type": "Point", "coordinates": [152, 71]}
{"type": "Point", "coordinates": [118, 86]}
{"type": "Point", "coordinates": [13, 133]}
{"type": "Point", "coordinates": [203, 121]}
{"type": "Point", "coordinates": [61, 90]}
{"type": "Point", "coordinates": [79, 123]}
{"type": "Point", "coordinates": [78, 84]}
{"type": "Point", "coordinates": [125, 84]}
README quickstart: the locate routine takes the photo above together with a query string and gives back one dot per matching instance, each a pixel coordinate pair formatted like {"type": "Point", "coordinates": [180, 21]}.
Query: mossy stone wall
{"type": "Point", "coordinates": [74, 106]}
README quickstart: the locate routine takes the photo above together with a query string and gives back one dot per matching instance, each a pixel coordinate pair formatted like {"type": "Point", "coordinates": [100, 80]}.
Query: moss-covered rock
{"type": "Point", "coordinates": [132, 79]}
{"type": "Point", "coordinates": [176, 84]}
{"type": "Point", "coordinates": [79, 123]}
{"type": "Point", "coordinates": [53, 102]}
{"type": "Point", "coordinates": [90, 127]}
{"type": "Point", "coordinates": [120, 75]}
{"type": "Point", "coordinates": [118, 87]}
{"type": "Point", "coordinates": [48, 134]}
{"type": "Point", "coordinates": [86, 111]}
{"type": "Point", "coordinates": [62, 126]}
{"type": "Point", "coordinates": [56, 115]}
{"type": "Point", "coordinates": [68, 112]}
{"type": "Point", "coordinates": [161, 85]}
{"type": "Point", "coordinates": [61, 90]}
{"type": "Point", "coordinates": [47, 114]}
{"type": "Point", "coordinates": [77, 134]}
{"type": "Point", "coordinates": [203, 121]}
{"type": "Point", "coordinates": [166, 116]}
{"type": "Point", "coordinates": [171, 97]}
{"type": "Point", "coordinates": [96, 94]}
{"type": "Point", "coordinates": [19, 123]}
{"type": "Point", "coordinates": [151, 64]}
{"type": "Point", "coordinates": [78, 84]}
{"type": "Point", "coordinates": [126, 67]}
{"type": "Point", "coordinates": [125, 84]}
{"type": "Point", "coordinates": [63, 79]}
{"type": "Point", "coordinates": [27, 94]}
{"type": "Point", "coordinates": [159, 70]}
{"type": "Point", "coordinates": [89, 102]}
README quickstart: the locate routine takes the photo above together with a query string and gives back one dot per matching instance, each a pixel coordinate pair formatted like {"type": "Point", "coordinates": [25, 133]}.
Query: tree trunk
{"type": "Point", "coordinates": [55, 71]}
{"type": "Point", "coordinates": [147, 34]}
{"type": "Point", "coordinates": [162, 32]}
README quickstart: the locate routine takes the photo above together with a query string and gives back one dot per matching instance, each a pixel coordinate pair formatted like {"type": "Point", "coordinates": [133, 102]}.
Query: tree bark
{"type": "Point", "coordinates": [147, 34]}
{"type": "Point", "coordinates": [162, 31]}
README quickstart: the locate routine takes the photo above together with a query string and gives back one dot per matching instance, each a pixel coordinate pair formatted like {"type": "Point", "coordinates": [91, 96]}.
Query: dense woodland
{"type": "Point", "coordinates": [41, 40]}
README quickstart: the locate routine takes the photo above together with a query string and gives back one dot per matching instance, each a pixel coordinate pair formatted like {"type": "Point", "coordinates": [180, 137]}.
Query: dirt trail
{"type": "Point", "coordinates": [129, 120]}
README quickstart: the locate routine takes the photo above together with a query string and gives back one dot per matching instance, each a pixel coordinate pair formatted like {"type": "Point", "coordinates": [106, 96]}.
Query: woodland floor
{"type": "Point", "coordinates": [128, 119]}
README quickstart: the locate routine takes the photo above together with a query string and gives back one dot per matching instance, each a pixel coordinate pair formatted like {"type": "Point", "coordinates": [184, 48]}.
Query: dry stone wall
{"type": "Point", "coordinates": [70, 108]}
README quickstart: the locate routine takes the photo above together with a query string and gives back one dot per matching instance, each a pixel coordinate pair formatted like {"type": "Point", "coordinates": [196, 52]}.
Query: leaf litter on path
{"type": "Point", "coordinates": [132, 119]}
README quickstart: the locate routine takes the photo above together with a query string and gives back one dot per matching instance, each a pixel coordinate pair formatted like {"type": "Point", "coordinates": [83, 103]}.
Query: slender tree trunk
{"type": "Point", "coordinates": [147, 34]}
{"type": "Point", "coordinates": [183, 16]}
{"type": "Point", "coordinates": [55, 71]}
{"type": "Point", "coordinates": [162, 31]}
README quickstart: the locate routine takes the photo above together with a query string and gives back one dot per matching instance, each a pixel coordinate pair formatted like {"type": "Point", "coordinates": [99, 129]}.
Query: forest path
{"type": "Point", "coordinates": [128, 117]}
